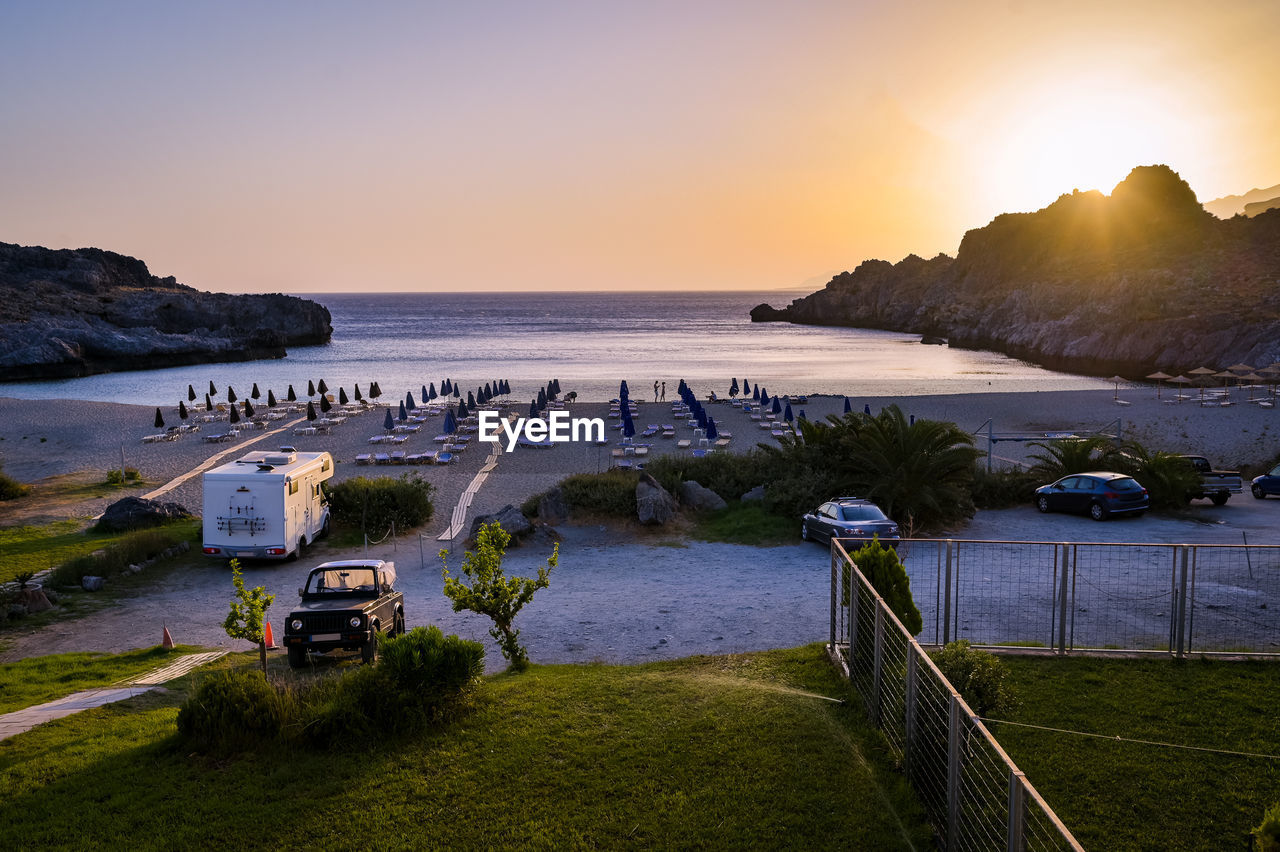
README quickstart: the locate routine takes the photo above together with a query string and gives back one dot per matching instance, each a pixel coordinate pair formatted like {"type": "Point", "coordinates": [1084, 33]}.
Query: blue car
{"type": "Point", "coordinates": [1268, 483]}
{"type": "Point", "coordinates": [1098, 494]}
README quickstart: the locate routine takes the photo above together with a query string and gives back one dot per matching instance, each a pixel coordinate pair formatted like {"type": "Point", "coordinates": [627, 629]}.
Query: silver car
{"type": "Point", "coordinates": [849, 517]}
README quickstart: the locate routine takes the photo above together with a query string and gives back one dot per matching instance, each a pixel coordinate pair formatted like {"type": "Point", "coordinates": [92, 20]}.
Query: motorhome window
{"type": "Point", "coordinates": [293, 488]}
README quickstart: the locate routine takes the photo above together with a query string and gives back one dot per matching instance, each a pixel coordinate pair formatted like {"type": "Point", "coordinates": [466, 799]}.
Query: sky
{"type": "Point", "coordinates": [384, 146]}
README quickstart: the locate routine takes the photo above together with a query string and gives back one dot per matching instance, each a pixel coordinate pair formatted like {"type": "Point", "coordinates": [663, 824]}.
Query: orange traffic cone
{"type": "Point", "coordinates": [167, 641]}
{"type": "Point", "coordinates": [271, 640]}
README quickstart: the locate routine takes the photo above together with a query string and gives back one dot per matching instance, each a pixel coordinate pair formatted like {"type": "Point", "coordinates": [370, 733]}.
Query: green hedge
{"type": "Point", "coordinates": [375, 504]}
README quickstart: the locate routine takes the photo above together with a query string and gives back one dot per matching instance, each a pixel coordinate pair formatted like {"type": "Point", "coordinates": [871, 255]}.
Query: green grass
{"type": "Point", "coordinates": [37, 548]}
{"type": "Point", "coordinates": [36, 680]}
{"type": "Point", "coordinates": [1117, 795]}
{"type": "Point", "coordinates": [724, 752]}
{"type": "Point", "coordinates": [747, 523]}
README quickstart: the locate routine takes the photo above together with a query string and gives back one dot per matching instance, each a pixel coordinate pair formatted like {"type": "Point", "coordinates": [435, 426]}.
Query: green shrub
{"type": "Point", "coordinates": [881, 567]}
{"type": "Point", "coordinates": [980, 678]}
{"type": "Point", "coordinates": [233, 710]}
{"type": "Point", "coordinates": [1267, 833]}
{"type": "Point", "coordinates": [728, 474]}
{"type": "Point", "coordinates": [1068, 455]}
{"type": "Point", "coordinates": [114, 477]}
{"type": "Point", "coordinates": [611, 493]}
{"type": "Point", "coordinates": [10, 488]}
{"type": "Point", "coordinates": [1002, 489]}
{"type": "Point", "coordinates": [1170, 480]}
{"type": "Point", "coordinates": [375, 504]}
{"type": "Point", "coordinates": [131, 548]}
{"type": "Point", "coordinates": [529, 508]}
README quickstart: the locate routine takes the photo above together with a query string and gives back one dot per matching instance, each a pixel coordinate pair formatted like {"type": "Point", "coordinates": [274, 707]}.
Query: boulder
{"type": "Point", "coordinates": [755, 495]}
{"type": "Point", "coordinates": [552, 509]}
{"type": "Point", "coordinates": [92, 584]}
{"type": "Point", "coordinates": [511, 519]}
{"type": "Point", "coordinates": [133, 513]}
{"type": "Point", "coordinates": [34, 599]}
{"type": "Point", "coordinates": [698, 497]}
{"type": "Point", "coordinates": [654, 505]}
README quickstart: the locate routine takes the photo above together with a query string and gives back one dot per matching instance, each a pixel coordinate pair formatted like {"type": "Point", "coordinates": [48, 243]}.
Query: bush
{"type": "Point", "coordinates": [1267, 832]}
{"type": "Point", "coordinates": [233, 710]}
{"type": "Point", "coordinates": [981, 678]}
{"type": "Point", "coordinates": [375, 504]}
{"type": "Point", "coordinates": [610, 493]}
{"type": "Point", "coordinates": [728, 474]}
{"type": "Point", "coordinates": [1170, 480]}
{"type": "Point", "coordinates": [881, 567]}
{"type": "Point", "coordinates": [131, 548]}
{"type": "Point", "coordinates": [10, 488]}
{"type": "Point", "coordinates": [1002, 489]}
{"type": "Point", "coordinates": [114, 477]}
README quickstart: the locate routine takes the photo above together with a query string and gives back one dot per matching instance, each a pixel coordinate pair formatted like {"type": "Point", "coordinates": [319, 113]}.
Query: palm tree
{"type": "Point", "coordinates": [1068, 455]}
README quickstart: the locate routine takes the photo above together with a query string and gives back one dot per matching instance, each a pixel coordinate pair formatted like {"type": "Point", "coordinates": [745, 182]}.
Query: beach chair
{"type": "Point", "coordinates": [444, 458]}
{"type": "Point", "coordinates": [684, 444]}
{"type": "Point", "coordinates": [698, 454]}
{"type": "Point", "coordinates": [381, 458]}
{"type": "Point", "coordinates": [398, 457]}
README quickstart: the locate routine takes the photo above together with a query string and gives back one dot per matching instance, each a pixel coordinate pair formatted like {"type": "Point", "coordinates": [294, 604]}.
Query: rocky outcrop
{"type": "Point", "coordinates": [699, 498]}
{"type": "Point", "coordinates": [77, 312]}
{"type": "Point", "coordinates": [552, 507]}
{"type": "Point", "coordinates": [132, 513]}
{"type": "Point", "coordinates": [1139, 281]}
{"type": "Point", "coordinates": [510, 518]}
{"type": "Point", "coordinates": [654, 504]}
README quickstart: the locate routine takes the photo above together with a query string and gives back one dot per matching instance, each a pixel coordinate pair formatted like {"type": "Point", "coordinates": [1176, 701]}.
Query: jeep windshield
{"type": "Point", "coordinates": [342, 581]}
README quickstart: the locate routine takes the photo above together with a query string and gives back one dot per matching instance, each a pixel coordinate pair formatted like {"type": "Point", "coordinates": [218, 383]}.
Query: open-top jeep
{"type": "Point", "coordinates": [345, 605]}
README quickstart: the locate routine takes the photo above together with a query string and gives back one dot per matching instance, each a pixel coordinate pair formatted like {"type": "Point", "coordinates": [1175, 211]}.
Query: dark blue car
{"type": "Point", "coordinates": [1268, 483]}
{"type": "Point", "coordinates": [1098, 494]}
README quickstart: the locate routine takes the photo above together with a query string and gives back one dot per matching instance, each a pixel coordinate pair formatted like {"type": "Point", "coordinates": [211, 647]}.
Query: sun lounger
{"type": "Point", "coordinates": [381, 458]}
{"type": "Point", "coordinates": [684, 444]}
{"type": "Point", "coordinates": [722, 442]}
{"type": "Point", "coordinates": [697, 454]}
{"type": "Point", "coordinates": [444, 458]}
{"type": "Point", "coordinates": [399, 439]}
{"type": "Point", "coordinates": [543, 444]}
{"type": "Point", "coordinates": [363, 458]}
{"type": "Point", "coordinates": [397, 457]}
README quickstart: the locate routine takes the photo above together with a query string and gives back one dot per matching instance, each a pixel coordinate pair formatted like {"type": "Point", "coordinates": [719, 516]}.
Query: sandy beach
{"type": "Point", "coordinates": [44, 440]}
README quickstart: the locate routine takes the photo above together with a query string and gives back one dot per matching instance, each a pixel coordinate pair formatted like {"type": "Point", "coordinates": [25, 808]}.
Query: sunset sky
{"type": "Point", "coordinates": [323, 146]}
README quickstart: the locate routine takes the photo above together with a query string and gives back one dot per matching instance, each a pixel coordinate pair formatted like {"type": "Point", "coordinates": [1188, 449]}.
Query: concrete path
{"type": "Point", "coordinates": [27, 718]}
{"type": "Point", "coordinates": [458, 520]}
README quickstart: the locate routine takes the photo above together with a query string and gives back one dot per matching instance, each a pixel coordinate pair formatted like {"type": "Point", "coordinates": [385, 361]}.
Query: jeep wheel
{"type": "Point", "coordinates": [297, 656]}
{"type": "Point", "coordinates": [1259, 493]}
{"type": "Point", "coordinates": [399, 623]}
{"type": "Point", "coordinates": [369, 650]}
{"type": "Point", "coordinates": [1221, 499]}
{"type": "Point", "coordinates": [1042, 503]}
{"type": "Point", "coordinates": [1098, 512]}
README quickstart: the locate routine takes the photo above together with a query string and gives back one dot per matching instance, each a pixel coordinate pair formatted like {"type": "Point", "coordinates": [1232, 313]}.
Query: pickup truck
{"type": "Point", "coordinates": [1216, 485]}
{"type": "Point", "coordinates": [345, 605]}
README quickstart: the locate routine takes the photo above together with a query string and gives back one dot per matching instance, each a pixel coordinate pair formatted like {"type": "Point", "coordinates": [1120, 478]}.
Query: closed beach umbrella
{"type": "Point", "coordinates": [786, 414]}
{"type": "Point", "coordinates": [425, 398]}
{"type": "Point", "coordinates": [271, 398]}
{"type": "Point", "coordinates": [182, 409]}
{"type": "Point", "coordinates": [325, 405]}
{"type": "Point", "coordinates": [387, 422]}
{"type": "Point", "coordinates": [375, 390]}
{"type": "Point", "coordinates": [628, 425]}
{"type": "Point", "coordinates": [212, 390]}
{"type": "Point", "coordinates": [311, 411]}
{"type": "Point", "coordinates": [542, 398]}
{"type": "Point", "coordinates": [866, 409]}
{"type": "Point", "coordinates": [431, 391]}
{"type": "Point", "coordinates": [712, 432]}
{"type": "Point", "coordinates": [622, 389]}
{"type": "Point", "coordinates": [533, 408]}
{"type": "Point", "coordinates": [471, 400]}
{"type": "Point", "coordinates": [235, 414]}
{"type": "Point", "coordinates": [450, 423]}
{"type": "Point", "coordinates": [556, 382]}
{"type": "Point", "coordinates": [342, 396]}
{"type": "Point", "coordinates": [488, 392]}
{"type": "Point", "coordinates": [733, 388]}
{"type": "Point", "coordinates": [208, 403]}
{"type": "Point", "coordinates": [764, 399]}
{"type": "Point", "coordinates": [159, 420]}
{"type": "Point", "coordinates": [444, 388]}
{"type": "Point", "coordinates": [801, 416]}
{"type": "Point", "coordinates": [359, 398]}
{"type": "Point", "coordinates": [746, 387]}
{"type": "Point", "coordinates": [457, 391]}
{"type": "Point", "coordinates": [231, 394]}
{"type": "Point", "coordinates": [248, 408]}
{"type": "Point", "coordinates": [311, 388]}
{"type": "Point", "coordinates": [191, 394]}
{"type": "Point", "coordinates": [255, 393]}
{"type": "Point", "coordinates": [404, 415]}
{"type": "Point", "coordinates": [464, 411]}
{"type": "Point", "coordinates": [293, 397]}
{"type": "Point", "coordinates": [847, 406]}
{"type": "Point", "coordinates": [755, 393]}
{"type": "Point", "coordinates": [322, 387]}
{"type": "Point", "coordinates": [408, 401]}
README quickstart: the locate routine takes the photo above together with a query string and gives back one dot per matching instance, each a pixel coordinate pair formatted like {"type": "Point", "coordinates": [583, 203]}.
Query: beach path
{"type": "Point", "coordinates": [215, 459]}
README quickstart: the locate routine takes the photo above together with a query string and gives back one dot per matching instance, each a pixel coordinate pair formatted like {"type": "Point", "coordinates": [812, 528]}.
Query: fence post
{"type": "Point", "coordinates": [855, 589]}
{"type": "Point", "coordinates": [946, 599]}
{"type": "Point", "coordinates": [908, 747]}
{"type": "Point", "coordinates": [1182, 603]}
{"type": "Point", "coordinates": [835, 560]}
{"type": "Point", "coordinates": [1062, 602]}
{"type": "Point", "coordinates": [393, 537]}
{"type": "Point", "coordinates": [877, 664]}
{"type": "Point", "coordinates": [953, 774]}
{"type": "Point", "coordinates": [1017, 812]}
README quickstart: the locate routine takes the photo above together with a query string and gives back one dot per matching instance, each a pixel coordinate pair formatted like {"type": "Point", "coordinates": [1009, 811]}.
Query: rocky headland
{"type": "Point", "coordinates": [1142, 280]}
{"type": "Point", "coordinates": [76, 312]}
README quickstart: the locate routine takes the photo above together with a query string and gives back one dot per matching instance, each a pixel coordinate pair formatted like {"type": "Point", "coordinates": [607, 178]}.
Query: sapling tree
{"type": "Point", "coordinates": [488, 592]}
{"type": "Point", "coordinates": [248, 613]}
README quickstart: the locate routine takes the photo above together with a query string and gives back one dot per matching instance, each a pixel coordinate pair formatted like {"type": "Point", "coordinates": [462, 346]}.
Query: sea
{"type": "Point", "coordinates": [590, 342]}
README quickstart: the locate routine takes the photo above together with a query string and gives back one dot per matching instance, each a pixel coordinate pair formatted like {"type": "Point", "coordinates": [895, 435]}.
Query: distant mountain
{"type": "Point", "coordinates": [1257, 207]}
{"type": "Point", "coordinates": [74, 312]}
{"type": "Point", "coordinates": [1144, 279]}
{"type": "Point", "coordinates": [1231, 205]}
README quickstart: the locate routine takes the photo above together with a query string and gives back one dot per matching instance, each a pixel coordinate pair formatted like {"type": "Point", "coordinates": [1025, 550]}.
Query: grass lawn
{"type": "Point", "coordinates": [718, 752]}
{"type": "Point", "coordinates": [747, 523]}
{"type": "Point", "coordinates": [37, 680]}
{"type": "Point", "coordinates": [1117, 795]}
{"type": "Point", "coordinates": [40, 547]}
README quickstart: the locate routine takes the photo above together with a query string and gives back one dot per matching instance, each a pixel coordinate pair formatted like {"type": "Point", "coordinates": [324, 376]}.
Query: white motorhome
{"type": "Point", "coordinates": [266, 505]}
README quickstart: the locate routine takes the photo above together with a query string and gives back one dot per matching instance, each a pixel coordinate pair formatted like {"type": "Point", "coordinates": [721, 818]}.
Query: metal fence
{"type": "Point", "coordinates": [1171, 598]}
{"type": "Point", "coordinates": [975, 795]}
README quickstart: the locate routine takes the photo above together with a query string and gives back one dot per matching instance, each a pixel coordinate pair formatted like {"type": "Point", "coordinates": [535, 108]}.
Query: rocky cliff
{"type": "Point", "coordinates": [77, 312]}
{"type": "Point", "coordinates": [1140, 280]}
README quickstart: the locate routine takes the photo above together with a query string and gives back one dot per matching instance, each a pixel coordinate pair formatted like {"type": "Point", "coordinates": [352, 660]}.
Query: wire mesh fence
{"type": "Point", "coordinates": [976, 797]}
{"type": "Point", "coordinates": [1174, 598]}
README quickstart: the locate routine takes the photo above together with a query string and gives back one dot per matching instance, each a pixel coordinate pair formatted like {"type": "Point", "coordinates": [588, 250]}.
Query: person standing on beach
{"type": "Point", "coordinates": [664, 391]}
{"type": "Point", "coordinates": [655, 390]}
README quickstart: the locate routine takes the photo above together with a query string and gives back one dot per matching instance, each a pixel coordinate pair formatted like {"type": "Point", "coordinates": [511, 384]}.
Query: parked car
{"type": "Point", "coordinates": [1098, 494]}
{"type": "Point", "coordinates": [1267, 484]}
{"type": "Point", "coordinates": [1217, 485]}
{"type": "Point", "coordinates": [345, 605]}
{"type": "Point", "coordinates": [849, 517]}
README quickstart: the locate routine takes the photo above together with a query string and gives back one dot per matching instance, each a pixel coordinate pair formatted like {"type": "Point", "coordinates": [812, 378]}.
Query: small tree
{"type": "Point", "coordinates": [981, 677]}
{"type": "Point", "coordinates": [882, 568]}
{"type": "Point", "coordinates": [248, 613]}
{"type": "Point", "coordinates": [491, 593]}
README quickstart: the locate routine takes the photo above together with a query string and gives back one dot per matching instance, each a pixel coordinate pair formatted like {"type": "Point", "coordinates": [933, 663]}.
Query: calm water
{"type": "Point", "coordinates": [588, 341]}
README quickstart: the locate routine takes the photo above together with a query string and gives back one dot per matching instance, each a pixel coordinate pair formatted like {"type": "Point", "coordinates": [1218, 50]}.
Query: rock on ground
{"type": "Point", "coordinates": [133, 513]}
{"type": "Point", "coordinates": [654, 505]}
{"type": "Point", "coordinates": [698, 497]}
{"type": "Point", "coordinates": [511, 519]}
